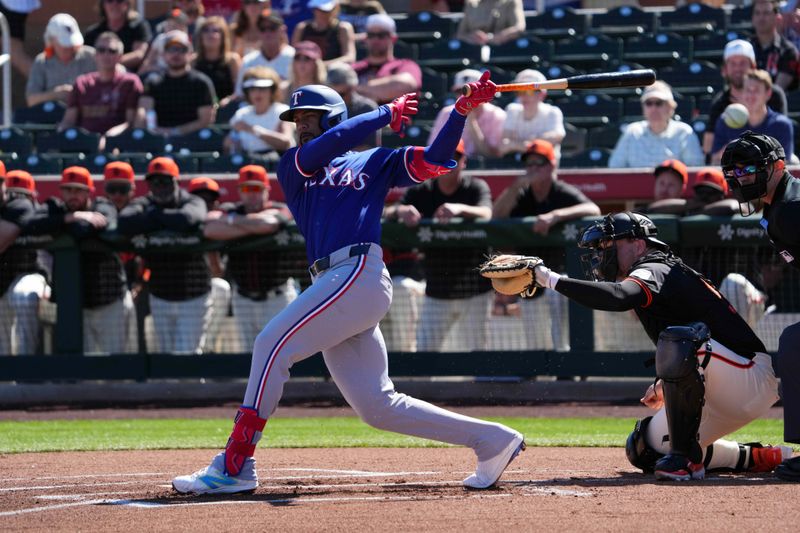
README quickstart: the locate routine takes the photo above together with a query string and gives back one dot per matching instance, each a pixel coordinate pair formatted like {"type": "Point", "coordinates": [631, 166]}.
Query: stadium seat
{"type": "Point", "coordinates": [94, 162]}
{"type": "Point", "coordinates": [46, 113]}
{"type": "Point", "coordinates": [623, 21]}
{"type": "Point", "coordinates": [425, 26]}
{"type": "Point", "coordinates": [574, 141]}
{"type": "Point", "coordinates": [590, 109]}
{"type": "Point", "coordinates": [70, 140]}
{"type": "Point", "coordinates": [554, 70]}
{"type": "Point", "coordinates": [450, 55]}
{"type": "Point", "coordinates": [416, 135]}
{"type": "Point", "coordinates": [138, 161]}
{"type": "Point", "coordinates": [556, 23]}
{"type": "Point", "coordinates": [588, 51]}
{"type": "Point", "coordinates": [697, 77]}
{"type": "Point", "coordinates": [428, 110]}
{"type": "Point", "coordinates": [590, 158]}
{"type": "Point", "coordinates": [692, 19]}
{"type": "Point", "coordinates": [521, 53]}
{"type": "Point", "coordinates": [187, 163]}
{"type": "Point", "coordinates": [15, 141]}
{"type": "Point", "coordinates": [605, 136]}
{"type": "Point", "coordinates": [499, 75]}
{"type": "Point", "coordinates": [659, 50]}
{"type": "Point", "coordinates": [204, 140]}
{"type": "Point", "coordinates": [711, 46]}
{"type": "Point", "coordinates": [508, 161]}
{"type": "Point", "coordinates": [136, 140]}
{"type": "Point", "coordinates": [226, 112]}
{"type": "Point", "coordinates": [793, 104]}
{"type": "Point", "coordinates": [699, 128]}
{"type": "Point", "coordinates": [702, 105]}
{"type": "Point", "coordinates": [36, 164]}
{"type": "Point", "coordinates": [224, 164]}
{"type": "Point", "coordinates": [740, 19]}
{"type": "Point", "coordinates": [434, 84]}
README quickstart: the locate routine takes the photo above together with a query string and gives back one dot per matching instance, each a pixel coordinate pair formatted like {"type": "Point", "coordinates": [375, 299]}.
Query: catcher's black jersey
{"type": "Point", "coordinates": [677, 295]}
{"type": "Point", "coordinates": [782, 220]}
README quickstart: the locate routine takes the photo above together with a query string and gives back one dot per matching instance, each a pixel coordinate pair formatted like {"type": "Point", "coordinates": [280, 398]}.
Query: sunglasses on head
{"type": "Point", "coordinates": [118, 188]}
{"type": "Point", "coordinates": [654, 103]}
{"type": "Point", "coordinates": [378, 35]}
{"type": "Point", "coordinates": [251, 188]}
{"type": "Point", "coordinates": [104, 50]}
{"type": "Point", "coordinates": [738, 172]}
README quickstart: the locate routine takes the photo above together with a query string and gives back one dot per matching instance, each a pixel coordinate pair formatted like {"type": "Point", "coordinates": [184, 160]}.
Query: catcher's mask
{"type": "Point", "coordinates": [600, 263]}
{"type": "Point", "coordinates": [751, 153]}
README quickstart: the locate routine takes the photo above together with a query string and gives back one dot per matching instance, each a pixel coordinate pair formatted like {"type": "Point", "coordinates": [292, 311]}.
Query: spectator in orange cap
{"type": "Point", "coordinates": [455, 299]}
{"type": "Point", "coordinates": [107, 304]}
{"type": "Point", "coordinates": [710, 195]}
{"type": "Point", "coordinates": [22, 284]}
{"type": "Point", "coordinates": [262, 288]}
{"type": "Point", "coordinates": [209, 190]}
{"type": "Point", "coordinates": [539, 192]}
{"type": "Point", "coordinates": [669, 187]}
{"type": "Point", "coordinates": [180, 284]}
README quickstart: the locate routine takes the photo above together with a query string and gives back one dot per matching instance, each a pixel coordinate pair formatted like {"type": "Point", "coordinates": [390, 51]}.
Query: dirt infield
{"type": "Point", "coordinates": [545, 489]}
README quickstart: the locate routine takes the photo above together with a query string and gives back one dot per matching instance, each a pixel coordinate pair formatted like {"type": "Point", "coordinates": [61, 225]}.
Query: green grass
{"type": "Point", "coordinates": [139, 434]}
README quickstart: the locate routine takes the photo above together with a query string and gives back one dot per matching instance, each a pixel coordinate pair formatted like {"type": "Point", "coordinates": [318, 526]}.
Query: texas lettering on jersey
{"type": "Point", "coordinates": [338, 177]}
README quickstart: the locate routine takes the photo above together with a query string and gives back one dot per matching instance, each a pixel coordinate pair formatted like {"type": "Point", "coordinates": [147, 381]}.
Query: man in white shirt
{"type": "Point", "coordinates": [274, 52]}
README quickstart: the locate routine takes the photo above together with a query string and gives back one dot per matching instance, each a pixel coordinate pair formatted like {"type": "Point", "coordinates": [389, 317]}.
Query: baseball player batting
{"type": "Point", "coordinates": [337, 198]}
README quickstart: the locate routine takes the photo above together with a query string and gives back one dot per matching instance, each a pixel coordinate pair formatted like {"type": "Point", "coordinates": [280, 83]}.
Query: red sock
{"type": "Point", "coordinates": [241, 443]}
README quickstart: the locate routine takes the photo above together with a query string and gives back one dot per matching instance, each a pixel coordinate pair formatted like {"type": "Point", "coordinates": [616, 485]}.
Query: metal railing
{"type": "Point", "coordinates": [5, 64]}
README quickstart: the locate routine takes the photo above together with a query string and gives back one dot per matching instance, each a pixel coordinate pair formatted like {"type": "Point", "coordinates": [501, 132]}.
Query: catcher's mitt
{"type": "Point", "coordinates": [511, 274]}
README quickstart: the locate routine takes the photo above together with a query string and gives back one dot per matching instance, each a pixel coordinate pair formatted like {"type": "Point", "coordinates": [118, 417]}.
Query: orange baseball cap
{"type": "Point", "coordinates": [711, 177]}
{"type": "Point", "coordinates": [203, 184]}
{"type": "Point", "coordinates": [254, 175]}
{"type": "Point", "coordinates": [118, 171]}
{"type": "Point", "coordinates": [77, 177]}
{"type": "Point", "coordinates": [542, 148]}
{"type": "Point", "coordinates": [162, 166]}
{"type": "Point", "coordinates": [675, 166]}
{"type": "Point", "coordinates": [2, 169]}
{"type": "Point", "coordinates": [20, 181]}
{"type": "Point", "coordinates": [460, 149]}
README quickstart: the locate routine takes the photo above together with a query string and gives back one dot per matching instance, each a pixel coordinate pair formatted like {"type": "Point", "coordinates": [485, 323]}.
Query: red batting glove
{"type": "Point", "coordinates": [481, 91]}
{"type": "Point", "coordinates": [402, 109]}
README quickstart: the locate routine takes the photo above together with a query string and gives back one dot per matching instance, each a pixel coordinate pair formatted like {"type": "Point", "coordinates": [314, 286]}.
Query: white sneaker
{"type": "Point", "coordinates": [213, 479]}
{"type": "Point", "coordinates": [489, 471]}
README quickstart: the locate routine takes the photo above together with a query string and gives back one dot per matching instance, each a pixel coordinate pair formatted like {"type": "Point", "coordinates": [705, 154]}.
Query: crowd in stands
{"type": "Point", "coordinates": [227, 80]}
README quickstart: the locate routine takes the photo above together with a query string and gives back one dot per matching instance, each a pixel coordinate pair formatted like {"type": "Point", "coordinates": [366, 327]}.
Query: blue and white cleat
{"type": "Point", "coordinates": [490, 470]}
{"type": "Point", "coordinates": [213, 479]}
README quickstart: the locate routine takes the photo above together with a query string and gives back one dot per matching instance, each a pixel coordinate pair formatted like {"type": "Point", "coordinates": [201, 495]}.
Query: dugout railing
{"type": "Point", "coordinates": [726, 244]}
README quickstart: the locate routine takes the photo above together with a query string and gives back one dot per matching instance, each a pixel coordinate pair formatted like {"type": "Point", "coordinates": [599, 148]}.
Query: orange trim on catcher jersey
{"type": "Point", "coordinates": [749, 364]}
{"type": "Point", "coordinates": [644, 287]}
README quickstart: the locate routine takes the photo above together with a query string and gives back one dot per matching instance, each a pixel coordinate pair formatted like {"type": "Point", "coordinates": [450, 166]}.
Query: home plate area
{"type": "Point", "coordinates": [357, 488]}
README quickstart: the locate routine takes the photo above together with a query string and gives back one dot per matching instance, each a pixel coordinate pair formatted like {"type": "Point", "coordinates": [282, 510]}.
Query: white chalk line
{"type": "Point", "coordinates": [83, 495]}
{"type": "Point", "coordinates": [82, 476]}
{"type": "Point", "coordinates": [50, 507]}
{"type": "Point", "coordinates": [49, 487]}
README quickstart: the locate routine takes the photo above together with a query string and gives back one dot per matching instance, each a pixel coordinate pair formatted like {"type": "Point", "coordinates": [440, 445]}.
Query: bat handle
{"type": "Point", "coordinates": [466, 90]}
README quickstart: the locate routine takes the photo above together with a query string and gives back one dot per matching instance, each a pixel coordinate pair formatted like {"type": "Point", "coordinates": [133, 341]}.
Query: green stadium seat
{"type": "Point", "coordinates": [590, 50]}
{"type": "Point", "coordinates": [204, 140]}
{"type": "Point", "coordinates": [658, 50]}
{"type": "Point", "coordinates": [95, 163]}
{"type": "Point", "coordinates": [623, 21]}
{"type": "Point", "coordinates": [740, 19]}
{"type": "Point", "coordinates": [46, 113]}
{"type": "Point", "coordinates": [556, 23]}
{"type": "Point", "coordinates": [136, 140]}
{"type": "Point", "coordinates": [697, 77]}
{"type": "Point", "coordinates": [424, 26]}
{"type": "Point", "coordinates": [589, 158]}
{"type": "Point", "coordinates": [224, 164]}
{"type": "Point", "coordinates": [36, 164]}
{"type": "Point", "coordinates": [693, 19]}
{"type": "Point", "coordinates": [710, 47]}
{"type": "Point", "coordinates": [450, 55]}
{"type": "Point", "coordinates": [521, 53]}
{"type": "Point", "coordinates": [15, 141]}
{"type": "Point", "coordinates": [71, 140]}
{"type": "Point", "coordinates": [605, 136]}
{"type": "Point", "coordinates": [590, 109]}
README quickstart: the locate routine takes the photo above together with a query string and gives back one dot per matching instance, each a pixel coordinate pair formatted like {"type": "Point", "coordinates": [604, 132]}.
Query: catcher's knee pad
{"type": "Point", "coordinates": [684, 390]}
{"type": "Point", "coordinates": [242, 443]}
{"type": "Point", "coordinates": [639, 453]}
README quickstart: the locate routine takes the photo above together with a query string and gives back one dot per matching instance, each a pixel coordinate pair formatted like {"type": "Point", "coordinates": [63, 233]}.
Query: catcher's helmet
{"type": "Point", "coordinates": [317, 98]}
{"type": "Point", "coordinates": [751, 153]}
{"type": "Point", "coordinates": [600, 263]}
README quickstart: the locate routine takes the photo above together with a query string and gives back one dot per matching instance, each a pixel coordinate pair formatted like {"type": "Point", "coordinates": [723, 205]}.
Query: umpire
{"type": "Point", "coordinates": [755, 168]}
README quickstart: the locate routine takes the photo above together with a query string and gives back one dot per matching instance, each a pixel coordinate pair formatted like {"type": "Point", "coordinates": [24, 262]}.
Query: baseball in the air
{"type": "Point", "coordinates": [735, 116]}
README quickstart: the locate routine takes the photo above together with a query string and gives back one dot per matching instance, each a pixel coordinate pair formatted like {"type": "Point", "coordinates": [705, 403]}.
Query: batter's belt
{"type": "Point", "coordinates": [324, 263]}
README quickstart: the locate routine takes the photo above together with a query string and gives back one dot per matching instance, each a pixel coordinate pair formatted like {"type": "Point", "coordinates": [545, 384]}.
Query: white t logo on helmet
{"type": "Point", "coordinates": [296, 97]}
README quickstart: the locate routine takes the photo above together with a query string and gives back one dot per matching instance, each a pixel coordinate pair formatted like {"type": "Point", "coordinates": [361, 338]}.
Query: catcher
{"type": "Point", "coordinates": [714, 375]}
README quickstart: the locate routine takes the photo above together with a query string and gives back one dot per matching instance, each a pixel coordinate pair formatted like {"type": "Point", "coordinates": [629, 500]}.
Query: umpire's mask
{"type": "Point", "coordinates": [751, 153]}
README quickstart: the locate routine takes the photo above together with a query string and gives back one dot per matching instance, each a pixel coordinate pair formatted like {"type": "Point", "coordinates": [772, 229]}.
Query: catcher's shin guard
{"type": "Point", "coordinates": [242, 443]}
{"type": "Point", "coordinates": [684, 390]}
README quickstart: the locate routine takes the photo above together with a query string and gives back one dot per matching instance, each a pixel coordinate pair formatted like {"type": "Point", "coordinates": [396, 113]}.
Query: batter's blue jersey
{"type": "Point", "coordinates": [342, 202]}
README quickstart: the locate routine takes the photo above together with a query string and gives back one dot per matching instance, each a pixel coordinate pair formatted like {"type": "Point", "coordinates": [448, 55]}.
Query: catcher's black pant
{"type": "Point", "coordinates": [788, 369]}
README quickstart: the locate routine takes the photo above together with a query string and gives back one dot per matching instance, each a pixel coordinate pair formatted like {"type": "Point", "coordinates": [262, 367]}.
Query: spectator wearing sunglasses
{"type": "Point", "coordinates": [659, 136]}
{"type": "Point", "coordinates": [381, 76]}
{"type": "Point", "coordinates": [256, 128]}
{"type": "Point", "coordinates": [180, 283]}
{"type": "Point", "coordinates": [541, 194]}
{"type": "Point", "coordinates": [120, 17]}
{"type": "Point", "coordinates": [183, 99]}
{"type": "Point", "coordinates": [260, 277]}
{"type": "Point", "coordinates": [105, 101]}
{"type": "Point", "coordinates": [274, 52]}
{"type": "Point", "coordinates": [307, 68]}
{"type": "Point", "coordinates": [215, 59]}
